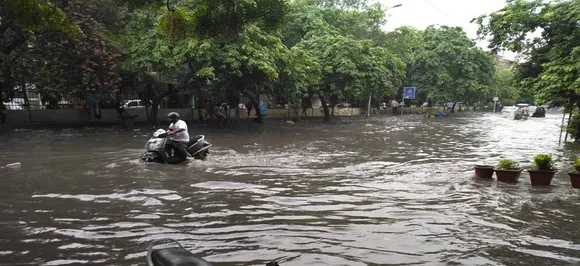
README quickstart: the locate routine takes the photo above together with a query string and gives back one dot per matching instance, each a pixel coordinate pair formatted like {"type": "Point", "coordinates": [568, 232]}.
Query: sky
{"type": "Point", "coordinates": [422, 13]}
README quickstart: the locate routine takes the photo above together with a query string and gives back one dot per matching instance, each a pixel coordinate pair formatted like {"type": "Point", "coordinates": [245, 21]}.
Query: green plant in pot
{"type": "Point", "coordinates": [508, 171]}
{"type": "Point", "coordinates": [544, 170]}
{"type": "Point", "coordinates": [575, 176]}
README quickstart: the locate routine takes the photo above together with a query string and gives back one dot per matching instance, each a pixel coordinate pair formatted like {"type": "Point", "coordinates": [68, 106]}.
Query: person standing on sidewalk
{"type": "Point", "coordinates": [249, 107]}
{"type": "Point", "coordinates": [395, 106]}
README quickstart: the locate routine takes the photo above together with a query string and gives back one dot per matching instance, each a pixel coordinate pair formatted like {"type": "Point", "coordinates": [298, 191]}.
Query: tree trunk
{"type": "Point", "coordinates": [1, 91]}
{"type": "Point", "coordinates": [333, 103]}
{"type": "Point", "coordinates": [325, 107]}
{"type": "Point", "coordinates": [2, 106]}
{"type": "Point", "coordinates": [296, 106]}
{"type": "Point", "coordinates": [156, 101]}
{"type": "Point", "coordinates": [259, 117]}
{"type": "Point", "coordinates": [453, 107]}
{"type": "Point", "coordinates": [199, 107]}
{"type": "Point", "coordinates": [154, 111]}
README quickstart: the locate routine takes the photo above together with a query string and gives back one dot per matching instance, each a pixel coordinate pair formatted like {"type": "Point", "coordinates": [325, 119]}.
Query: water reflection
{"type": "Point", "coordinates": [357, 192]}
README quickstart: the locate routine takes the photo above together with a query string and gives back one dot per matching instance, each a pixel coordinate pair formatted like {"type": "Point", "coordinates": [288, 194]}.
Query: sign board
{"type": "Point", "coordinates": [263, 104]}
{"type": "Point", "coordinates": [495, 99]}
{"type": "Point", "coordinates": [409, 92]}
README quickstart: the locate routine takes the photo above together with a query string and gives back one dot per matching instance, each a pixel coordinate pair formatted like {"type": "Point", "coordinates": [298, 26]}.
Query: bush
{"type": "Point", "coordinates": [577, 165]}
{"type": "Point", "coordinates": [544, 162]}
{"type": "Point", "coordinates": [574, 126]}
{"type": "Point", "coordinates": [507, 164]}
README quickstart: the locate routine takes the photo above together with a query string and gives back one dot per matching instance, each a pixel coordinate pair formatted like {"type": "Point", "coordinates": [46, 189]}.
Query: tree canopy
{"type": "Point", "coordinates": [221, 49]}
{"type": "Point", "coordinates": [547, 35]}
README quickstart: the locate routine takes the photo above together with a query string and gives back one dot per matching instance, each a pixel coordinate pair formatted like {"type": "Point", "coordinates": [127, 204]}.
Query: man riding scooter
{"type": "Point", "coordinates": [178, 139]}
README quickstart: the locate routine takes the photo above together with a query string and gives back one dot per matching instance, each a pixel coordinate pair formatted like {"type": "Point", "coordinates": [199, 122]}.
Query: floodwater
{"type": "Point", "coordinates": [378, 191]}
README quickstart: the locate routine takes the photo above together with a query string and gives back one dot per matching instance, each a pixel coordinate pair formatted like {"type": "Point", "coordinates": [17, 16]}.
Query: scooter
{"type": "Point", "coordinates": [197, 147]}
{"type": "Point", "coordinates": [177, 256]}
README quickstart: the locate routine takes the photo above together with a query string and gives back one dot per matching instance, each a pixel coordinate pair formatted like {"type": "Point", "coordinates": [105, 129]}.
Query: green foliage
{"type": "Point", "coordinates": [250, 59]}
{"type": "Point", "coordinates": [577, 165]}
{"type": "Point", "coordinates": [505, 84]}
{"type": "Point", "coordinates": [149, 49]}
{"type": "Point", "coordinates": [448, 66]}
{"type": "Point", "coordinates": [355, 18]}
{"type": "Point", "coordinates": [573, 127]}
{"type": "Point", "coordinates": [75, 67]}
{"type": "Point", "coordinates": [220, 48]}
{"type": "Point", "coordinates": [352, 68]}
{"type": "Point", "coordinates": [407, 42]}
{"type": "Point", "coordinates": [544, 162]}
{"type": "Point", "coordinates": [221, 18]}
{"type": "Point", "coordinates": [299, 72]}
{"type": "Point", "coordinates": [552, 68]}
{"type": "Point", "coordinates": [174, 23]}
{"type": "Point", "coordinates": [21, 21]}
{"type": "Point", "coordinates": [244, 62]}
{"type": "Point", "coordinates": [37, 15]}
{"type": "Point", "coordinates": [506, 164]}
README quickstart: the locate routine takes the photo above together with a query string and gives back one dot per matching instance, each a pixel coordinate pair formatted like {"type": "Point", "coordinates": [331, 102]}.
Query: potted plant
{"type": "Point", "coordinates": [544, 172]}
{"type": "Point", "coordinates": [508, 171]}
{"type": "Point", "coordinates": [575, 176]}
{"type": "Point", "coordinates": [484, 171]}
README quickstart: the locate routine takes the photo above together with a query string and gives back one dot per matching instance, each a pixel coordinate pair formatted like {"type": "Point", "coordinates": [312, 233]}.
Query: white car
{"type": "Point", "coordinates": [133, 104]}
{"type": "Point", "coordinates": [15, 104]}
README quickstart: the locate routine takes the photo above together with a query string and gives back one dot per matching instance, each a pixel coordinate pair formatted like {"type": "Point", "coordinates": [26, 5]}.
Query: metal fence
{"type": "Point", "coordinates": [31, 99]}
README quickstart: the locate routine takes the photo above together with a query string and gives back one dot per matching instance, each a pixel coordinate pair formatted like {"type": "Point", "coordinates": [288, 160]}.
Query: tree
{"type": "Point", "coordinates": [552, 66]}
{"type": "Point", "coordinates": [299, 73]}
{"type": "Point", "coordinates": [220, 18]}
{"type": "Point", "coordinates": [237, 61]}
{"type": "Point", "coordinates": [352, 68]}
{"type": "Point", "coordinates": [75, 67]}
{"type": "Point", "coordinates": [355, 18]}
{"type": "Point", "coordinates": [552, 60]}
{"type": "Point", "coordinates": [407, 43]}
{"type": "Point", "coordinates": [342, 36]}
{"type": "Point", "coordinates": [504, 83]}
{"type": "Point", "coordinates": [302, 22]}
{"type": "Point", "coordinates": [450, 67]}
{"type": "Point", "coordinates": [20, 21]}
{"type": "Point", "coordinates": [247, 64]}
{"type": "Point", "coordinates": [383, 73]}
{"type": "Point", "coordinates": [159, 59]}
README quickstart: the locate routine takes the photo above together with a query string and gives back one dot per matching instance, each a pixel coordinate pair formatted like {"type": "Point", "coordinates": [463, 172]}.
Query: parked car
{"type": "Point", "coordinates": [133, 104]}
{"type": "Point", "coordinates": [15, 104]}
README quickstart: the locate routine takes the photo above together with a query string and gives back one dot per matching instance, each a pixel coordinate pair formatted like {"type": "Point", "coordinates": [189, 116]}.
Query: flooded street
{"type": "Point", "coordinates": [380, 191]}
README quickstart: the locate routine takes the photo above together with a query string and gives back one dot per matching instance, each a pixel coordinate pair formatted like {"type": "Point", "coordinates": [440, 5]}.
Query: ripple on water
{"type": "Point", "coordinates": [384, 190]}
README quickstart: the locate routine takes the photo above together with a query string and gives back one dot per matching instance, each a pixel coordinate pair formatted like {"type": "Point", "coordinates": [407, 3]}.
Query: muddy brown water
{"type": "Point", "coordinates": [378, 191]}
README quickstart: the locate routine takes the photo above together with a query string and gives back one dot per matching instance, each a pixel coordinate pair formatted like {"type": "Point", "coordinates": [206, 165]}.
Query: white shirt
{"type": "Point", "coordinates": [394, 103]}
{"type": "Point", "coordinates": [182, 136]}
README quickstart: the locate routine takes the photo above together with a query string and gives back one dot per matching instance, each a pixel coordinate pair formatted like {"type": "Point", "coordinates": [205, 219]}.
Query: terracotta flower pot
{"type": "Point", "coordinates": [484, 171]}
{"type": "Point", "coordinates": [575, 179]}
{"type": "Point", "coordinates": [541, 178]}
{"type": "Point", "coordinates": [508, 175]}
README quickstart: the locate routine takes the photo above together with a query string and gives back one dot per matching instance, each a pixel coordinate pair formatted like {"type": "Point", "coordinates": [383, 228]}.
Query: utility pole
{"type": "Point", "coordinates": [402, 104]}
{"type": "Point", "coordinates": [369, 107]}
